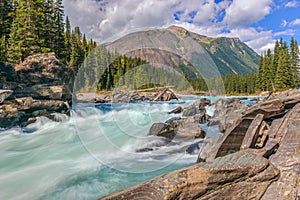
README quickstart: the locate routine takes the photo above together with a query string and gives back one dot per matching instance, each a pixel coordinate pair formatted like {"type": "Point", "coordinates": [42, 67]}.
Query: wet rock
{"type": "Point", "coordinates": [202, 103]}
{"type": "Point", "coordinates": [22, 111]}
{"type": "Point", "coordinates": [177, 128]}
{"type": "Point", "coordinates": [162, 130]}
{"type": "Point", "coordinates": [227, 112]}
{"type": "Point", "coordinates": [190, 111]}
{"type": "Point", "coordinates": [176, 110]}
{"type": "Point", "coordinates": [242, 175]}
{"type": "Point", "coordinates": [189, 128]}
{"type": "Point", "coordinates": [4, 94]}
{"type": "Point", "coordinates": [201, 118]}
{"type": "Point", "coordinates": [194, 148]}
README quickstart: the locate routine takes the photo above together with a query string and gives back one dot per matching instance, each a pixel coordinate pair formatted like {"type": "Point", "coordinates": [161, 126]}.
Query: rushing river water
{"type": "Point", "coordinates": [89, 155]}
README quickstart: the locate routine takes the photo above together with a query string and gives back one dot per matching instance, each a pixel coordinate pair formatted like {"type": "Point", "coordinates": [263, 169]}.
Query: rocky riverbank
{"type": "Point", "coordinates": [39, 86]}
{"type": "Point", "coordinates": [257, 157]}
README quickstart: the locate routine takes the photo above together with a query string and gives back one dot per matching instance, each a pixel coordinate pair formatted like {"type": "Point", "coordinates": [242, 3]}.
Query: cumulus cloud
{"type": "Point", "coordinates": [289, 32]}
{"type": "Point", "coordinates": [242, 13]}
{"type": "Point", "coordinates": [284, 23]}
{"type": "Point", "coordinates": [295, 22]}
{"type": "Point", "coordinates": [291, 4]}
{"type": "Point", "coordinates": [106, 20]}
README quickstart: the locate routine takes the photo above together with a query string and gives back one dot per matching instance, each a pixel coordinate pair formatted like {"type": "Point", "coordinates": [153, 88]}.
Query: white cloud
{"type": "Point", "coordinates": [296, 22]}
{"type": "Point", "coordinates": [290, 32]}
{"type": "Point", "coordinates": [118, 17]}
{"type": "Point", "coordinates": [291, 4]}
{"type": "Point", "coordinates": [284, 23]}
{"type": "Point", "coordinates": [256, 39]}
{"type": "Point", "coordinates": [242, 13]}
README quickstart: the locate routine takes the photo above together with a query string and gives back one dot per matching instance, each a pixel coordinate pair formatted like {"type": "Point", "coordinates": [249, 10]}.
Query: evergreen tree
{"type": "Point", "coordinates": [26, 33]}
{"type": "Point", "coordinates": [282, 77]}
{"type": "Point", "coordinates": [294, 59]}
{"type": "Point", "coordinates": [260, 72]}
{"type": "Point", "coordinates": [67, 41]}
{"type": "Point", "coordinates": [6, 18]}
{"type": "Point", "coordinates": [59, 25]}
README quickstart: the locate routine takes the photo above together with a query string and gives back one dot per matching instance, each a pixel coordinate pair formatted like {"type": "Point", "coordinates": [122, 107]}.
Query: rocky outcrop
{"type": "Point", "coordinates": [177, 127]}
{"type": "Point", "coordinates": [227, 112]}
{"type": "Point", "coordinates": [4, 94]}
{"type": "Point", "coordinates": [39, 86]}
{"type": "Point", "coordinates": [22, 111]}
{"type": "Point", "coordinates": [250, 128]}
{"type": "Point", "coordinates": [44, 77]}
{"type": "Point", "coordinates": [242, 175]}
{"type": "Point", "coordinates": [287, 158]}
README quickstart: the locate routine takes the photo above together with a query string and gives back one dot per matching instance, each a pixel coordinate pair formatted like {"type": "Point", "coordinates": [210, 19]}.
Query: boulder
{"type": "Point", "coordinates": [227, 112]}
{"type": "Point", "coordinates": [242, 175]}
{"type": "Point", "coordinates": [252, 133]}
{"type": "Point", "coordinates": [162, 130]}
{"type": "Point", "coordinates": [42, 72]}
{"type": "Point", "coordinates": [21, 112]}
{"type": "Point", "coordinates": [202, 103]}
{"type": "Point", "coordinates": [177, 128]}
{"type": "Point", "coordinates": [189, 128]}
{"type": "Point", "coordinates": [190, 111]}
{"type": "Point", "coordinates": [287, 158]}
{"type": "Point", "coordinates": [4, 94]}
{"type": "Point", "coordinates": [230, 142]}
{"type": "Point", "coordinates": [176, 110]}
{"type": "Point", "coordinates": [275, 106]}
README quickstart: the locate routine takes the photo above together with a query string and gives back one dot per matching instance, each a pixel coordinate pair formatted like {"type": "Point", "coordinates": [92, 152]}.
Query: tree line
{"type": "Point", "coordinates": [279, 70]}
{"type": "Point", "coordinates": [28, 27]}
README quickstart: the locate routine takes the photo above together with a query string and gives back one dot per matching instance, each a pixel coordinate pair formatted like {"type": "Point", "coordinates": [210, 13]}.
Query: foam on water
{"type": "Point", "coordinates": [89, 155]}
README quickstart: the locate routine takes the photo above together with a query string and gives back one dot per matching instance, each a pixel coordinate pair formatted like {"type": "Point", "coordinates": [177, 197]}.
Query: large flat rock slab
{"type": "Point", "coordinates": [287, 159]}
{"type": "Point", "coordinates": [241, 175]}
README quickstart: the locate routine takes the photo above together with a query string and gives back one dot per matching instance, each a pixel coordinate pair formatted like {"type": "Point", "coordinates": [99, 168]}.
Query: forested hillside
{"type": "Point", "coordinates": [29, 27]}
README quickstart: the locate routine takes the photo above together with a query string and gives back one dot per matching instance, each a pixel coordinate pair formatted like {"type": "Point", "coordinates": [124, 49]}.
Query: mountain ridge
{"type": "Point", "coordinates": [172, 46]}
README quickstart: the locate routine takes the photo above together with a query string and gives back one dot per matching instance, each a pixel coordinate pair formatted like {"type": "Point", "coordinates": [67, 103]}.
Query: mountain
{"type": "Point", "coordinates": [191, 52]}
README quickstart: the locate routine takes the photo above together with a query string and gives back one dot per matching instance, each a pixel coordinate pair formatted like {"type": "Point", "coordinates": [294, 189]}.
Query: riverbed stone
{"type": "Point", "coordinates": [241, 175]}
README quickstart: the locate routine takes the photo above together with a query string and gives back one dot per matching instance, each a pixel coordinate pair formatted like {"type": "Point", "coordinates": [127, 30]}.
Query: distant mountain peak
{"type": "Point", "coordinates": [168, 45]}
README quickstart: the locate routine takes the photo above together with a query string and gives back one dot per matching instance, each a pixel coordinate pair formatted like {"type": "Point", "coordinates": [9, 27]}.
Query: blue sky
{"type": "Point", "coordinates": [257, 22]}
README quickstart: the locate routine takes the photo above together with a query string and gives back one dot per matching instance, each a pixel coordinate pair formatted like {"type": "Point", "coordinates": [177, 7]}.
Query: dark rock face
{"type": "Point", "coordinates": [176, 110]}
{"type": "Point", "coordinates": [177, 127]}
{"type": "Point", "coordinates": [22, 111]}
{"type": "Point", "coordinates": [227, 112]}
{"type": "Point", "coordinates": [40, 86]}
{"type": "Point", "coordinates": [43, 77]}
{"type": "Point", "coordinates": [4, 94]}
{"type": "Point", "coordinates": [241, 175]}
{"type": "Point", "coordinates": [190, 111]}
{"type": "Point", "coordinates": [287, 158]}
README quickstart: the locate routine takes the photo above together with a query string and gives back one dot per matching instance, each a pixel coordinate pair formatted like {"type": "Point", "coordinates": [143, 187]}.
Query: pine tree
{"type": "Point", "coordinates": [260, 71]}
{"type": "Point", "coordinates": [6, 18]}
{"type": "Point", "coordinates": [27, 30]}
{"type": "Point", "coordinates": [294, 59]}
{"type": "Point", "coordinates": [282, 77]}
{"type": "Point", "coordinates": [59, 25]}
{"type": "Point", "coordinates": [67, 41]}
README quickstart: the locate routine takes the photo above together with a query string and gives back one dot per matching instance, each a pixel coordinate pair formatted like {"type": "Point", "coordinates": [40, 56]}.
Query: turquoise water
{"type": "Point", "coordinates": [90, 154]}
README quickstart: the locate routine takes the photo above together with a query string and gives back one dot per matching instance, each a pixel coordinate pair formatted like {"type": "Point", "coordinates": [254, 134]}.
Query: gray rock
{"type": "Point", "coordinates": [287, 158]}
{"type": "Point", "coordinates": [176, 110]}
{"type": "Point", "coordinates": [241, 175]}
{"type": "Point", "coordinates": [190, 111]}
{"type": "Point", "coordinates": [4, 94]}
